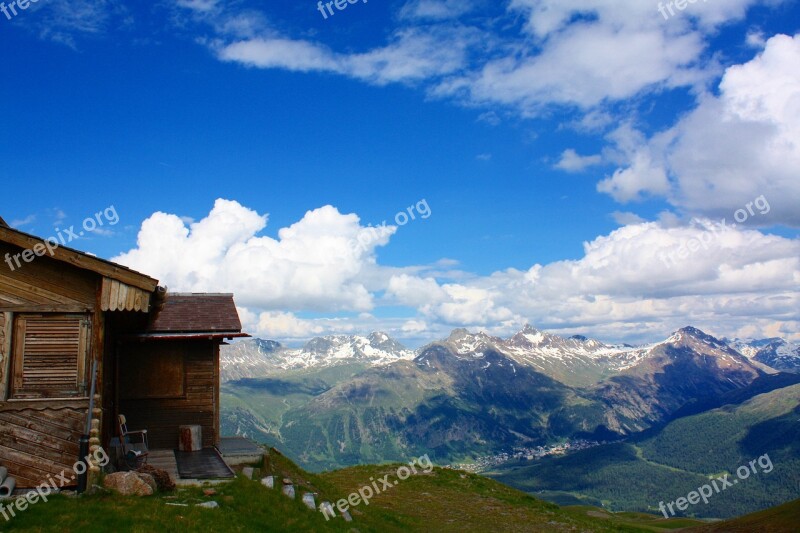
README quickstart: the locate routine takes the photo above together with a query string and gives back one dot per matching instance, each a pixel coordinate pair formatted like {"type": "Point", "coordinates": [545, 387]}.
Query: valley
{"type": "Point", "coordinates": [504, 408]}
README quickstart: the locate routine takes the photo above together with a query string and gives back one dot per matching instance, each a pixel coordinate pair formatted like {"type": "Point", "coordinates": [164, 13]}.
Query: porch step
{"type": "Point", "coordinates": [239, 451]}
{"type": "Point", "coordinates": [7, 484]}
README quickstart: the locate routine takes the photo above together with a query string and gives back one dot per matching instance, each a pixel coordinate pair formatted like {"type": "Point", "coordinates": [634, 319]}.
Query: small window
{"type": "Point", "coordinates": [50, 353]}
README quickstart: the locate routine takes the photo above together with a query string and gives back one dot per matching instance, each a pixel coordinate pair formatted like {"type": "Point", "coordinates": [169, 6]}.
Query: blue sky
{"type": "Point", "coordinates": [562, 152]}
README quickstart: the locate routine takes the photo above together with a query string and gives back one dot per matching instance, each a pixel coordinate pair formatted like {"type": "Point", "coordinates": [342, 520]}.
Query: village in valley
{"type": "Point", "coordinates": [487, 462]}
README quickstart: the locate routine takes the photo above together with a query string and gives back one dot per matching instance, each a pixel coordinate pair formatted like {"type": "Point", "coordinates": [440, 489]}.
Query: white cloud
{"type": "Point", "coordinates": [317, 263]}
{"type": "Point", "coordinates": [278, 325]}
{"type": "Point", "coordinates": [412, 55]}
{"type": "Point", "coordinates": [65, 22]}
{"type": "Point", "coordinates": [415, 326]}
{"type": "Point", "coordinates": [574, 53]}
{"type": "Point", "coordinates": [635, 284]}
{"type": "Point", "coordinates": [732, 148]}
{"type": "Point", "coordinates": [571, 161]}
{"type": "Point", "coordinates": [643, 178]}
{"type": "Point", "coordinates": [203, 6]}
{"type": "Point", "coordinates": [20, 222]}
{"type": "Point", "coordinates": [436, 9]}
{"type": "Point", "coordinates": [281, 53]}
{"type": "Point", "coordinates": [624, 218]}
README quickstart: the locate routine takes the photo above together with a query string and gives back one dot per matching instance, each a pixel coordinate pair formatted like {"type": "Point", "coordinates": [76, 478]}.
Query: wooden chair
{"type": "Point", "coordinates": [134, 444]}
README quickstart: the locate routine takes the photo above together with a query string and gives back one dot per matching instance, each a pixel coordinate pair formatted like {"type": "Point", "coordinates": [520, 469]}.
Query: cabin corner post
{"type": "Point", "coordinates": [5, 354]}
{"type": "Point", "coordinates": [95, 448]}
{"type": "Point", "coordinates": [96, 382]}
{"type": "Point", "coordinates": [216, 421]}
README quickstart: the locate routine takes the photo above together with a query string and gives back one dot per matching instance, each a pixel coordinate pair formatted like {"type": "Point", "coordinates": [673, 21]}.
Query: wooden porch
{"type": "Point", "coordinates": [212, 464]}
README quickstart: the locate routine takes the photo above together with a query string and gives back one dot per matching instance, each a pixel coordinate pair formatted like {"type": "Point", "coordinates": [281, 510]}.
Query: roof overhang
{"type": "Point", "coordinates": [80, 259]}
{"type": "Point", "coordinates": [194, 335]}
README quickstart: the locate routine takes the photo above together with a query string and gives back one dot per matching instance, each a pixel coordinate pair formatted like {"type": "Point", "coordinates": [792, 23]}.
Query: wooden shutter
{"type": "Point", "coordinates": [50, 355]}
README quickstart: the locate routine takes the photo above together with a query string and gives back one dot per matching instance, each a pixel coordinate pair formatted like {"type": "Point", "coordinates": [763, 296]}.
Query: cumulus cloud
{"type": "Point", "coordinates": [316, 263]}
{"type": "Point", "coordinates": [633, 284]}
{"type": "Point", "coordinates": [732, 148]}
{"type": "Point", "coordinates": [278, 325]}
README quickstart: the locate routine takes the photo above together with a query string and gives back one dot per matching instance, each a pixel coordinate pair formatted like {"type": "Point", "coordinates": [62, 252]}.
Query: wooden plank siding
{"type": "Point", "coordinates": [41, 441]}
{"type": "Point", "coordinates": [46, 360]}
{"type": "Point", "coordinates": [77, 260]}
{"type": "Point", "coordinates": [117, 296]}
{"type": "Point", "coordinates": [45, 285]}
{"type": "Point", "coordinates": [197, 405]}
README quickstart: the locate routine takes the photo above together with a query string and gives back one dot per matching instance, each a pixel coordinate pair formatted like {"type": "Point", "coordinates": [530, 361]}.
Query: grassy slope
{"type": "Point", "coordinates": [443, 500]}
{"type": "Point", "coordinates": [781, 519]}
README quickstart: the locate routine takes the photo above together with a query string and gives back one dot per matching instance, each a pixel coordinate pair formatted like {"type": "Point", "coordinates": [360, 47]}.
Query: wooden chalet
{"type": "Point", "coordinates": [70, 324]}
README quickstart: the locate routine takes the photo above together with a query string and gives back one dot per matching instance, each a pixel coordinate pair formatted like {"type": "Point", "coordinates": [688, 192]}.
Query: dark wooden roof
{"type": "Point", "coordinates": [3, 223]}
{"type": "Point", "coordinates": [197, 313]}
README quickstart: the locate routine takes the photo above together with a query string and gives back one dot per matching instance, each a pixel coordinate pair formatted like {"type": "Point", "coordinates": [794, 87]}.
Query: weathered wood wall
{"type": "Point", "coordinates": [45, 285]}
{"type": "Point", "coordinates": [198, 404]}
{"type": "Point", "coordinates": [5, 353]}
{"type": "Point", "coordinates": [117, 296]}
{"type": "Point", "coordinates": [40, 439]}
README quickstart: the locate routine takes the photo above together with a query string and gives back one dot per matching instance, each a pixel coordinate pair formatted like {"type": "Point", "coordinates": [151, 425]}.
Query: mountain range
{"type": "Point", "coordinates": [256, 357]}
{"type": "Point", "coordinates": [344, 400]}
{"type": "Point", "coordinates": [347, 400]}
{"type": "Point", "coordinates": [575, 360]}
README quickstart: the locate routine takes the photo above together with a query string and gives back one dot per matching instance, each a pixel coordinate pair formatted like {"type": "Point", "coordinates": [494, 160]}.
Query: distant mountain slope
{"type": "Point", "coordinates": [782, 519]}
{"type": "Point", "coordinates": [688, 366]}
{"type": "Point", "coordinates": [637, 475]}
{"type": "Point", "coordinates": [443, 403]}
{"type": "Point", "coordinates": [250, 358]}
{"type": "Point", "coordinates": [575, 361]}
{"type": "Point", "coordinates": [255, 358]}
{"type": "Point", "coordinates": [462, 398]}
{"type": "Point", "coordinates": [775, 352]}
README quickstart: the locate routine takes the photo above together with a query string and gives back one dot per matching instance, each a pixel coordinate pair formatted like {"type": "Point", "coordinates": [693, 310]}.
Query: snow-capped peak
{"type": "Point", "coordinates": [774, 352]}
{"type": "Point", "coordinates": [256, 357]}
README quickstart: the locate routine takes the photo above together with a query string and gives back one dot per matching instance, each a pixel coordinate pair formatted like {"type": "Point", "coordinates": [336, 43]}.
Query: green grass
{"type": "Point", "coordinates": [442, 500]}
{"type": "Point", "coordinates": [782, 519]}
{"type": "Point", "coordinates": [243, 506]}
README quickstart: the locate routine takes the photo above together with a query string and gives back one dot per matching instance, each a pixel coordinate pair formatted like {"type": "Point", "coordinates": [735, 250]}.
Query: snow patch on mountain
{"type": "Point", "coordinates": [256, 357]}
{"type": "Point", "coordinates": [774, 352]}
